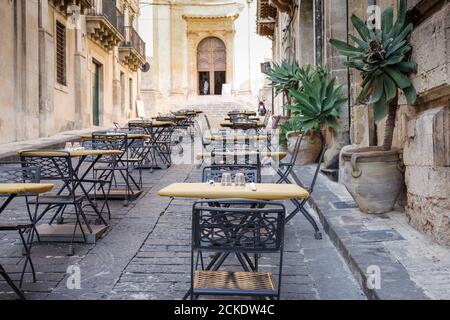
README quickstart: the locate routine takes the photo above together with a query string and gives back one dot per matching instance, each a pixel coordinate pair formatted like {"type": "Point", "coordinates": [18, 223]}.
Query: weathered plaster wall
{"type": "Point", "coordinates": [32, 103]}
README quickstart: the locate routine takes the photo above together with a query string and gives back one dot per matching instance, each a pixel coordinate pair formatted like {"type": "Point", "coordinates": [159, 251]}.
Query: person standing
{"type": "Point", "coordinates": [205, 87]}
{"type": "Point", "coordinates": [261, 109]}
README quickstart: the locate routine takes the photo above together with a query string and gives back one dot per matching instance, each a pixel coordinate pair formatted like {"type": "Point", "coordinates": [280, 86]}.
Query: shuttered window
{"type": "Point", "coordinates": [61, 53]}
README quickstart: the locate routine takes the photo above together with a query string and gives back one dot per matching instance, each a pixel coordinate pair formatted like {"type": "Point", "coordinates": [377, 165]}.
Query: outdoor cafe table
{"type": "Point", "coordinates": [249, 118]}
{"type": "Point", "coordinates": [12, 190]}
{"type": "Point", "coordinates": [275, 155]}
{"type": "Point", "coordinates": [243, 125]}
{"type": "Point", "coordinates": [246, 113]}
{"type": "Point", "coordinates": [80, 173]}
{"type": "Point", "coordinates": [236, 137]}
{"type": "Point", "coordinates": [264, 191]}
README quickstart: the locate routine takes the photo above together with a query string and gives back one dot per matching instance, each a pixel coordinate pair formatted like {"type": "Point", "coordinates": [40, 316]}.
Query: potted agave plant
{"type": "Point", "coordinates": [314, 105]}
{"type": "Point", "coordinates": [283, 78]}
{"type": "Point", "coordinates": [374, 175]}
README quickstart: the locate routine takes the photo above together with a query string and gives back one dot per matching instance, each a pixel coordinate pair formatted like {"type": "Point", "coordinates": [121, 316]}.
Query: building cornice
{"type": "Point", "coordinates": [224, 17]}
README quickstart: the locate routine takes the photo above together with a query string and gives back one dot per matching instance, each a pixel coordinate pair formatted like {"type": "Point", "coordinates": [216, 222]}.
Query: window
{"type": "Point", "coordinates": [61, 53]}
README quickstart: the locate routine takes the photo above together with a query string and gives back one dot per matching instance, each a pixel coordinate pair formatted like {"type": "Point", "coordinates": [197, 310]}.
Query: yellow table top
{"type": "Point", "coordinates": [243, 153]}
{"type": "Point", "coordinates": [129, 136]}
{"type": "Point", "coordinates": [165, 117]}
{"type": "Point", "coordinates": [250, 118]}
{"type": "Point", "coordinates": [235, 138]}
{"type": "Point", "coordinates": [158, 124]}
{"type": "Point", "coordinates": [18, 188]}
{"type": "Point", "coordinates": [248, 113]}
{"type": "Point", "coordinates": [243, 124]}
{"type": "Point", "coordinates": [264, 191]}
{"type": "Point", "coordinates": [73, 153]}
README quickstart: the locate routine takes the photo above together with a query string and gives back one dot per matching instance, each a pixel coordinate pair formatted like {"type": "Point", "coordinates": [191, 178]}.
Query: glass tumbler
{"type": "Point", "coordinates": [226, 180]}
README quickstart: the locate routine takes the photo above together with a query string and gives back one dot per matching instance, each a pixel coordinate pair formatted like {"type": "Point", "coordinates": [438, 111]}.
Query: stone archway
{"type": "Point", "coordinates": [200, 28]}
{"type": "Point", "coordinates": [211, 66]}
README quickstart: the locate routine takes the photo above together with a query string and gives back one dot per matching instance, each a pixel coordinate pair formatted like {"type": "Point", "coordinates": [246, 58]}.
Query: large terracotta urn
{"type": "Point", "coordinates": [310, 147]}
{"type": "Point", "coordinates": [373, 177]}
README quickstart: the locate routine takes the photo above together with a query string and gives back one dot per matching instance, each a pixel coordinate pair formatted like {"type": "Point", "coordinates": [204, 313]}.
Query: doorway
{"type": "Point", "coordinates": [211, 66]}
{"type": "Point", "coordinates": [96, 92]}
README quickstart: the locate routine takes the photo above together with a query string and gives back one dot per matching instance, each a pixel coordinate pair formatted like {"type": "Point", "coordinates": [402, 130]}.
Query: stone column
{"type": "Point", "coordinates": [46, 76]}
{"type": "Point", "coordinates": [82, 117]}
{"type": "Point", "coordinates": [335, 14]}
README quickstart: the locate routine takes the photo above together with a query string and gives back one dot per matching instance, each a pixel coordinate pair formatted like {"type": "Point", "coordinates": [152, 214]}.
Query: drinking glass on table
{"type": "Point", "coordinates": [226, 180]}
{"type": "Point", "coordinates": [68, 146]}
{"type": "Point", "coordinates": [76, 146]}
{"type": "Point", "coordinates": [239, 180]}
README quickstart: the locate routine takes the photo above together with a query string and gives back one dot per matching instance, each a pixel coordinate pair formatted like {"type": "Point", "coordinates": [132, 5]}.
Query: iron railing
{"type": "Point", "coordinates": [133, 40]}
{"type": "Point", "coordinates": [109, 10]}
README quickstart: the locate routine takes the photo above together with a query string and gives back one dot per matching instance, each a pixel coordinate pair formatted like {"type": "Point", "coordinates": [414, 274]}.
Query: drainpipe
{"type": "Point", "coordinates": [249, 2]}
{"type": "Point", "coordinates": [349, 91]}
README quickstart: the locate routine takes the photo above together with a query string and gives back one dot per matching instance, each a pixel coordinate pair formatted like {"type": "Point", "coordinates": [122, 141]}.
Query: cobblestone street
{"type": "Point", "coordinates": [146, 254]}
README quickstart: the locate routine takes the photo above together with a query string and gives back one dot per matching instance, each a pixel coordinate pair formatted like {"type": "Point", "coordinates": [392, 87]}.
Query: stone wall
{"type": "Point", "coordinates": [426, 129]}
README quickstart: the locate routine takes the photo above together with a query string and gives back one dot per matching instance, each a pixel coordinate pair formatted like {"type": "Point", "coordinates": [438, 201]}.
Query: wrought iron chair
{"type": "Point", "coordinates": [285, 168]}
{"type": "Point", "coordinates": [114, 168]}
{"type": "Point", "coordinates": [300, 205]}
{"type": "Point", "coordinates": [57, 166]}
{"type": "Point", "coordinates": [214, 173]}
{"type": "Point", "coordinates": [14, 173]}
{"type": "Point", "coordinates": [238, 227]}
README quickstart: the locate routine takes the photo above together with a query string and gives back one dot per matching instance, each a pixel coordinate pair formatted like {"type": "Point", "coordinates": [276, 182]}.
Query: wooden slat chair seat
{"type": "Point", "coordinates": [235, 283]}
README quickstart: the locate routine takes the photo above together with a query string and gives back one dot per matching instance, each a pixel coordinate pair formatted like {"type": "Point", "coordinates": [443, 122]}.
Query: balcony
{"type": "Point", "coordinates": [62, 5]}
{"type": "Point", "coordinates": [105, 25]}
{"type": "Point", "coordinates": [132, 50]}
{"type": "Point", "coordinates": [266, 15]}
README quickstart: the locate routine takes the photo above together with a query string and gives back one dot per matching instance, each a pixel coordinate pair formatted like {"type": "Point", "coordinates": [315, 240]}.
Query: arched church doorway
{"type": "Point", "coordinates": [211, 66]}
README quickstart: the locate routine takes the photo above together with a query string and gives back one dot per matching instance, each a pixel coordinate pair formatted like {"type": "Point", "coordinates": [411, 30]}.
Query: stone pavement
{"type": "Point", "coordinates": [412, 265]}
{"type": "Point", "coordinates": [145, 255]}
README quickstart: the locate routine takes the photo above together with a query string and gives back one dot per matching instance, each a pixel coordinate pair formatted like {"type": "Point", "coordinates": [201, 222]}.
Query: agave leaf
{"type": "Point", "coordinates": [410, 94]}
{"type": "Point", "coordinates": [387, 21]}
{"type": "Point", "coordinates": [400, 79]}
{"type": "Point", "coordinates": [361, 43]}
{"type": "Point", "coordinates": [361, 28]}
{"type": "Point", "coordinates": [378, 90]}
{"type": "Point", "coordinates": [380, 109]}
{"type": "Point", "coordinates": [390, 88]}
{"type": "Point", "coordinates": [352, 54]}
{"type": "Point", "coordinates": [394, 60]}
{"type": "Point", "coordinates": [398, 27]}
{"type": "Point", "coordinates": [396, 46]}
{"type": "Point", "coordinates": [341, 45]}
{"type": "Point", "coordinates": [407, 67]}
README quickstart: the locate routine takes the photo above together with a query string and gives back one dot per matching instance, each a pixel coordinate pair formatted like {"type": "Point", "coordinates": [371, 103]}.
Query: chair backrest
{"type": "Point", "coordinates": [298, 143]}
{"type": "Point", "coordinates": [14, 173]}
{"type": "Point", "coordinates": [142, 124]}
{"type": "Point", "coordinates": [103, 140]}
{"type": "Point", "coordinates": [214, 173]}
{"type": "Point", "coordinates": [267, 118]}
{"type": "Point", "coordinates": [238, 225]}
{"type": "Point", "coordinates": [52, 165]}
{"type": "Point", "coordinates": [208, 124]}
{"type": "Point", "coordinates": [316, 173]}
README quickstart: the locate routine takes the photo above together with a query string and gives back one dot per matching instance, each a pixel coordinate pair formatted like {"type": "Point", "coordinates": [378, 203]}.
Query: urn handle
{"type": "Point", "coordinates": [356, 172]}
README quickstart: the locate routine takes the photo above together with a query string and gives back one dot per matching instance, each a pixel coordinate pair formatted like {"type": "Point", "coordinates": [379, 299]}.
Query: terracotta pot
{"type": "Point", "coordinates": [310, 147]}
{"type": "Point", "coordinates": [373, 177]}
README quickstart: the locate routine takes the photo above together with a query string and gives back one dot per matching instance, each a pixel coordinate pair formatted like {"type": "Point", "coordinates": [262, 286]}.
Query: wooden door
{"type": "Point", "coordinates": [211, 66]}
